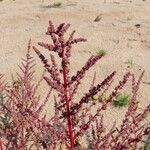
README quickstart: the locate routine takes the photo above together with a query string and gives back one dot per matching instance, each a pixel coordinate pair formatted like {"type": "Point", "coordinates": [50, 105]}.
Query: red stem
{"type": "Point", "coordinates": [70, 126]}
{"type": "Point", "coordinates": [1, 144]}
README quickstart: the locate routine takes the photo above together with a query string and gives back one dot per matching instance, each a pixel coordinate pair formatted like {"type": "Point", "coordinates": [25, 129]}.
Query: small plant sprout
{"type": "Point", "coordinates": [101, 52]}
{"type": "Point", "coordinates": [100, 98]}
{"type": "Point", "coordinates": [95, 97]}
{"type": "Point", "coordinates": [105, 97]}
{"type": "Point", "coordinates": [122, 100]}
{"type": "Point", "coordinates": [55, 5]}
{"type": "Point", "coordinates": [130, 63]}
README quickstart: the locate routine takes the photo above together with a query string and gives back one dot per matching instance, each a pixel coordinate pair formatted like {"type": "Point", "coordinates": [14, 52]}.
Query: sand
{"type": "Point", "coordinates": [123, 31]}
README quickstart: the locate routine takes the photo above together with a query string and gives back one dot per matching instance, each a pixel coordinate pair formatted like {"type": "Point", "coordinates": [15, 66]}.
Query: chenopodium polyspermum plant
{"type": "Point", "coordinates": [73, 120]}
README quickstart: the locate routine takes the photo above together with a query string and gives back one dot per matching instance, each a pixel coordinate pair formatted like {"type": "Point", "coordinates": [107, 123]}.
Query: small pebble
{"type": "Point", "coordinates": [98, 18]}
{"type": "Point", "coordinates": [137, 25]}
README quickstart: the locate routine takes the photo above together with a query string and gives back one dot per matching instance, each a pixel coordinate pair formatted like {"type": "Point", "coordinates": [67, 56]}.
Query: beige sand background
{"type": "Point", "coordinates": [127, 46]}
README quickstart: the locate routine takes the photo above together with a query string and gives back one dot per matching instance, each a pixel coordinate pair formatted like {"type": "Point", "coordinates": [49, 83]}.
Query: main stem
{"type": "Point", "coordinates": [69, 120]}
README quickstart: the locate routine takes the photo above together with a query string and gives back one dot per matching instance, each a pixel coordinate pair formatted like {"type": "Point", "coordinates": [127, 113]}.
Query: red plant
{"type": "Point", "coordinates": [73, 125]}
{"type": "Point", "coordinates": [70, 113]}
{"type": "Point", "coordinates": [20, 111]}
{"type": "Point", "coordinates": [1, 144]}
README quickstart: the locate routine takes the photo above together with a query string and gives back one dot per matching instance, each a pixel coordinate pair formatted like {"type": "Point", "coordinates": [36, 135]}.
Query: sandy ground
{"type": "Point", "coordinates": [123, 31]}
